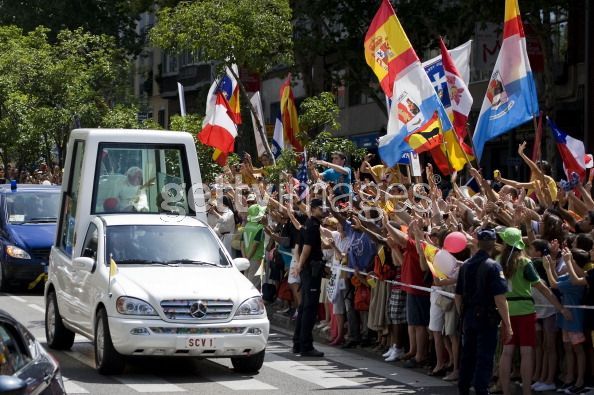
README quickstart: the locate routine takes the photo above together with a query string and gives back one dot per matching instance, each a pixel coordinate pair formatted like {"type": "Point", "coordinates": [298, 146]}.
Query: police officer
{"type": "Point", "coordinates": [310, 269]}
{"type": "Point", "coordinates": [480, 300]}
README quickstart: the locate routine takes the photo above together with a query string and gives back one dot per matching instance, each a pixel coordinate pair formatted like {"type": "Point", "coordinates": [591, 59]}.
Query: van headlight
{"type": "Point", "coordinates": [132, 306]}
{"type": "Point", "coordinates": [17, 252]}
{"type": "Point", "coordinates": [251, 308]}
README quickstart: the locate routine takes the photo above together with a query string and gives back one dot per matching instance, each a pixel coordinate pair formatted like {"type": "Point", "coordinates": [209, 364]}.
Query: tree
{"type": "Point", "coordinates": [116, 18]}
{"type": "Point", "coordinates": [255, 34]}
{"type": "Point", "coordinates": [45, 87]}
{"type": "Point", "coordinates": [318, 113]}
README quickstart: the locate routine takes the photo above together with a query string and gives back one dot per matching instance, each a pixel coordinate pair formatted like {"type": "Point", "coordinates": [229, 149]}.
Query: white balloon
{"type": "Point", "coordinates": [445, 262]}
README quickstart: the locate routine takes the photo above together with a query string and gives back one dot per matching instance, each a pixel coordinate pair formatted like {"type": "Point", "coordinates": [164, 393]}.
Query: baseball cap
{"type": "Point", "coordinates": [316, 203]}
{"type": "Point", "coordinates": [486, 234]}
{"type": "Point", "coordinates": [251, 197]}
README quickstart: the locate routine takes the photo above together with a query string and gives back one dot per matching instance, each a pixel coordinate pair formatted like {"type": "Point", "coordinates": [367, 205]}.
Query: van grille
{"type": "Point", "coordinates": [197, 309]}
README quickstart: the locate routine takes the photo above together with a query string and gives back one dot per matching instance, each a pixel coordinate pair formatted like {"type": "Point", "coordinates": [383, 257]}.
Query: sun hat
{"type": "Point", "coordinates": [513, 238]}
{"type": "Point", "coordinates": [255, 213]}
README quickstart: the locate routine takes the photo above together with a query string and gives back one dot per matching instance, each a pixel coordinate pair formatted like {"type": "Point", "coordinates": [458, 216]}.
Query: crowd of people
{"type": "Point", "coordinates": [477, 285]}
{"type": "Point", "coordinates": [43, 174]}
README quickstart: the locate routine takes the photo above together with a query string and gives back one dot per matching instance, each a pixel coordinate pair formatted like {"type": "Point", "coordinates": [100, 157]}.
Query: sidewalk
{"type": "Point", "coordinates": [285, 323]}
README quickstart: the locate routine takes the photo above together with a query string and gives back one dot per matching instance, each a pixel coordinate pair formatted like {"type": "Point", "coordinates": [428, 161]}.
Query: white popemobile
{"type": "Point", "coordinates": [134, 266]}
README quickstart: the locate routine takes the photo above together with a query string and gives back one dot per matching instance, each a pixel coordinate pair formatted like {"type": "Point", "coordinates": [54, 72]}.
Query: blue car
{"type": "Point", "coordinates": [27, 230]}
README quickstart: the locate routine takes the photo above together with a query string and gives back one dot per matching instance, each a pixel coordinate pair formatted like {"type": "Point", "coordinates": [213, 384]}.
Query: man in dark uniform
{"type": "Point", "coordinates": [480, 300]}
{"type": "Point", "coordinates": [310, 269]}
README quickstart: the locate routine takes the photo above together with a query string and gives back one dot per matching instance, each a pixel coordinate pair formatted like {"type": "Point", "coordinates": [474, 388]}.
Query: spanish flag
{"type": "Point", "coordinates": [387, 49]}
{"type": "Point", "coordinates": [289, 117]}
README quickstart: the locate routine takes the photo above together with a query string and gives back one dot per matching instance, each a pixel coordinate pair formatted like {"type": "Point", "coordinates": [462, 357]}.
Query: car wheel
{"type": "Point", "coordinates": [57, 335]}
{"type": "Point", "coordinates": [251, 364]}
{"type": "Point", "coordinates": [107, 359]}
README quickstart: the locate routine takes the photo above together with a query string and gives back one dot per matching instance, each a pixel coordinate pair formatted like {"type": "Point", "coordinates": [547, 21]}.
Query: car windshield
{"type": "Point", "coordinates": [32, 207]}
{"type": "Point", "coordinates": [173, 245]}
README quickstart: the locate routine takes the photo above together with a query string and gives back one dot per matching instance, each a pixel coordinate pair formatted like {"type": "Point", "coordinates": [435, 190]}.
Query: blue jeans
{"type": "Point", "coordinates": [476, 359]}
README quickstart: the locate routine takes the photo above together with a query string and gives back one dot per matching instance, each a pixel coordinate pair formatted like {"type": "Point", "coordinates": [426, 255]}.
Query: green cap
{"type": "Point", "coordinates": [512, 237]}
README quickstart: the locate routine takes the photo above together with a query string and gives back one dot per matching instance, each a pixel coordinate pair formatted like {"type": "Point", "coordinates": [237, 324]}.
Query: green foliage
{"type": "Point", "coordinates": [116, 18]}
{"type": "Point", "coordinates": [44, 87]}
{"type": "Point", "coordinates": [318, 113]}
{"type": "Point", "coordinates": [286, 162]}
{"type": "Point", "coordinates": [324, 144]}
{"type": "Point", "coordinates": [256, 34]}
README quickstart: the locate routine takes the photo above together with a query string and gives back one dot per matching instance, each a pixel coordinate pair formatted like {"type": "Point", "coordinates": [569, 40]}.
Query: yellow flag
{"type": "Point", "coordinates": [113, 267]}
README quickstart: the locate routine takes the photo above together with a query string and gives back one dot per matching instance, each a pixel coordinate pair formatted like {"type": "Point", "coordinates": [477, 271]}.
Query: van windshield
{"type": "Point", "coordinates": [173, 245]}
{"type": "Point", "coordinates": [32, 207]}
{"type": "Point", "coordinates": [145, 178]}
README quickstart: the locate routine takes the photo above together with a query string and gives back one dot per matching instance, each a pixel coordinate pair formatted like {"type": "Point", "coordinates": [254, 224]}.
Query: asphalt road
{"type": "Point", "coordinates": [340, 371]}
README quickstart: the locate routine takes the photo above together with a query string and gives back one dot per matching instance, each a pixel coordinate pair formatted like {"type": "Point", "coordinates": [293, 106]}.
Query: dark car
{"type": "Point", "coordinates": [27, 229]}
{"type": "Point", "coordinates": [25, 366]}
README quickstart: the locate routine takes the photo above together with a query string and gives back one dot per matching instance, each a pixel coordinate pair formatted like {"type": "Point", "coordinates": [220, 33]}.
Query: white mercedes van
{"type": "Point", "coordinates": [134, 266]}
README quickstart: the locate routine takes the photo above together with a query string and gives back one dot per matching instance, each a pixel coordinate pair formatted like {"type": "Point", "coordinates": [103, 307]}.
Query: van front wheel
{"type": "Point", "coordinates": [107, 359]}
{"type": "Point", "coordinates": [251, 364]}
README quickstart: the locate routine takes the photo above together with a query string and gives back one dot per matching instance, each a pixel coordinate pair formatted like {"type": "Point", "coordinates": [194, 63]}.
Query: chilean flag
{"type": "Point", "coordinates": [572, 152]}
{"type": "Point", "coordinates": [220, 130]}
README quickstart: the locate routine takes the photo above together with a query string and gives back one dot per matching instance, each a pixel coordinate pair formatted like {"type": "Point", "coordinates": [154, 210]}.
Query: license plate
{"type": "Point", "coordinates": [197, 343]}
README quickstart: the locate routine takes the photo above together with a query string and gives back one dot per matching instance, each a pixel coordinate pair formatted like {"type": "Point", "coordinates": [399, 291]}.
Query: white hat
{"type": "Point", "coordinates": [251, 197]}
{"type": "Point", "coordinates": [46, 182]}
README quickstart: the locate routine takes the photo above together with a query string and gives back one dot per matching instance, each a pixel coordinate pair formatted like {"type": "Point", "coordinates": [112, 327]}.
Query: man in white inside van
{"type": "Point", "coordinates": [131, 191]}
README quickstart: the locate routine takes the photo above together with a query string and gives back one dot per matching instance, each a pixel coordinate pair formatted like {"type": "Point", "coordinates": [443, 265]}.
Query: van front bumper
{"type": "Point", "coordinates": [159, 338]}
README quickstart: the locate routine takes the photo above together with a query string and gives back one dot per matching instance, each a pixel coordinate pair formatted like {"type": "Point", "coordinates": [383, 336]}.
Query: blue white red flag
{"type": "Point", "coordinates": [572, 152]}
{"type": "Point", "coordinates": [511, 94]}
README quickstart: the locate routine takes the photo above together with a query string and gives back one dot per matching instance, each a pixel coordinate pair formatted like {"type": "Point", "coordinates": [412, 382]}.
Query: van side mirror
{"type": "Point", "coordinates": [84, 263]}
{"type": "Point", "coordinates": [242, 264]}
{"type": "Point", "coordinates": [11, 385]}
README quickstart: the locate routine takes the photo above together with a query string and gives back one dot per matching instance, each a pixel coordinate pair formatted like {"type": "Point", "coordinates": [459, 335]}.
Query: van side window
{"type": "Point", "coordinates": [70, 201]}
{"type": "Point", "coordinates": [90, 246]}
{"type": "Point", "coordinates": [12, 353]}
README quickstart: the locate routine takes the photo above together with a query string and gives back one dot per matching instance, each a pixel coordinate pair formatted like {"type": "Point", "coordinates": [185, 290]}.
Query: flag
{"type": "Point", "coordinates": [303, 189]}
{"type": "Point", "coordinates": [511, 94]}
{"type": "Point", "coordinates": [450, 83]}
{"type": "Point", "coordinates": [427, 137]}
{"type": "Point", "coordinates": [113, 267]}
{"type": "Point", "coordinates": [387, 49]}
{"type": "Point", "coordinates": [289, 115]}
{"type": "Point", "coordinates": [278, 140]}
{"type": "Point", "coordinates": [220, 131]}
{"type": "Point", "coordinates": [257, 104]}
{"type": "Point", "coordinates": [429, 251]}
{"type": "Point", "coordinates": [228, 86]}
{"type": "Point", "coordinates": [572, 152]}
{"type": "Point", "coordinates": [414, 100]}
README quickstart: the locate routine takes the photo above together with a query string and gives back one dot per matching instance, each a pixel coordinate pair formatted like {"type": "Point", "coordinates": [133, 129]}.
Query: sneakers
{"type": "Point", "coordinates": [536, 384]}
{"type": "Point", "coordinates": [564, 387]}
{"type": "Point", "coordinates": [394, 355]}
{"type": "Point", "coordinates": [387, 353]}
{"type": "Point", "coordinates": [574, 389]}
{"type": "Point", "coordinates": [541, 387]}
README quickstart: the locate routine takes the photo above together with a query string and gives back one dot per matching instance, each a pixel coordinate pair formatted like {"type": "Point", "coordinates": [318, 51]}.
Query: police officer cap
{"type": "Point", "coordinates": [486, 234]}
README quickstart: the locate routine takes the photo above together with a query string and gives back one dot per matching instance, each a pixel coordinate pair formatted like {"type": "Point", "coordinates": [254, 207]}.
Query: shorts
{"type": "Point", "coordinates": [574, 338]}
{"type": "Point", "coordinates": [397, 307]}
{"type": "Point", "coordinates": [547, 324]}
{"type": "Point", "coordinates": [417, 309]}
{"type": "Point", "coordinates": [436, 315]}
{"type": "Point", "coordinates": [524, 327]}
{"type": "Point", "coordinates": [293, 275]}
{"type": "Point", "coordinates": [451, 322]}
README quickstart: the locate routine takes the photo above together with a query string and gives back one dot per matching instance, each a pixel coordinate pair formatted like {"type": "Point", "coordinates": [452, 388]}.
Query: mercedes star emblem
{"type": "Point", "coordinates": [198, 310]}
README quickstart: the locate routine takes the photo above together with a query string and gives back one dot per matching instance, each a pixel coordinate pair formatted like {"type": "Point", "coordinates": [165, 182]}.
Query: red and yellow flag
{"type": "Point", "coordinates": [387, 49]}
{"type": "Point", "coordinates": [426, 137]}
{"type": "Point", "coordinates": [289, 115]}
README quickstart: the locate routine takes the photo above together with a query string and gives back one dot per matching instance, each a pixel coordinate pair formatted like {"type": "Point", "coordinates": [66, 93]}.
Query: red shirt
{"type": "Point", "coordinates": [411, 270]}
